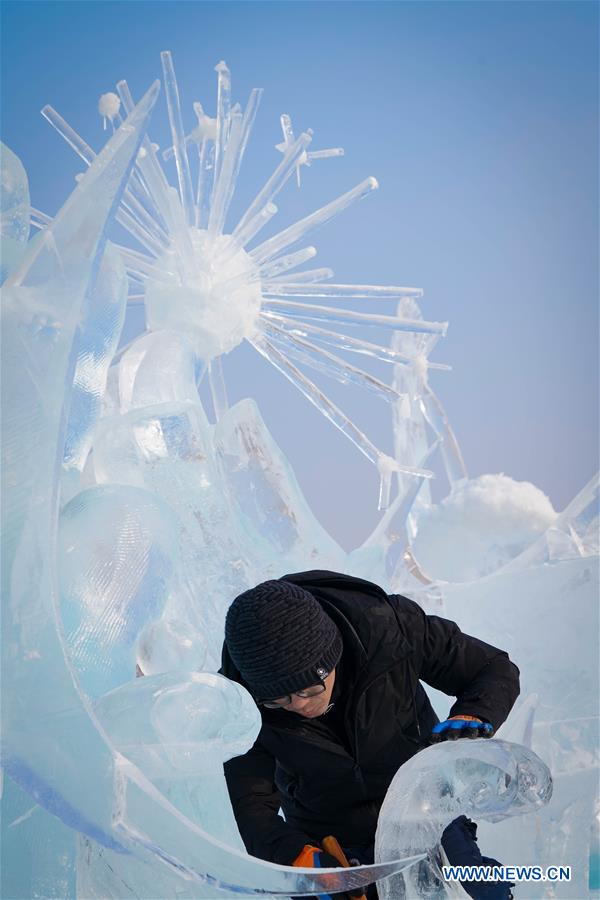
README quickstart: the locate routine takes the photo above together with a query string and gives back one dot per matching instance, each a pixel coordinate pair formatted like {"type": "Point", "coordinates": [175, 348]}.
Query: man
{"type": "Point", "coordinates": [335, 664]}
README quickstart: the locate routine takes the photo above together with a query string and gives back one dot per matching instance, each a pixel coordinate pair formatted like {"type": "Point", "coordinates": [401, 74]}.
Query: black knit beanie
{"type": "Point", "coordinates": [280, 639]}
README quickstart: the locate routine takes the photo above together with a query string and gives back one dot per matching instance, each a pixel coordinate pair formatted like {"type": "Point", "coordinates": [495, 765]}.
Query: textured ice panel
{"type": "Point", "coordinates": [282, 534]}
{"type": "Point", "coordinates": [96, 341]}
{"type": "Point", "coordinates": [51, 745]}
{"type": "Point", "coordinates": [117, 553]}
{"type": "Point", "coordinates": [14, 210]}
{"type": "Point", "coordinates": [167, 449]}
{"type": "Point", "coordinates": [483, 779]}
{"type": "Point", "coordinates": [163, 446]}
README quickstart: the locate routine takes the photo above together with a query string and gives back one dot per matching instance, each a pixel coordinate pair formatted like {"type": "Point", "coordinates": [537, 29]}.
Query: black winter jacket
{"type": "Point", "coordinates": [331, 784]}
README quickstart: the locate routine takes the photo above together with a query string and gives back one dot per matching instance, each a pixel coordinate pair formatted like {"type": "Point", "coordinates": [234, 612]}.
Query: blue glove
{"type": "Point", "coordinates": [459, 727]}
{"type": "Point", "coordinates": [459, 841]}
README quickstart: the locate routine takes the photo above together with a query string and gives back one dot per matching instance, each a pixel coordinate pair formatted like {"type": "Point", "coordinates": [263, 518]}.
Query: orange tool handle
{"type": "Point", "coordinates": [331, 845]}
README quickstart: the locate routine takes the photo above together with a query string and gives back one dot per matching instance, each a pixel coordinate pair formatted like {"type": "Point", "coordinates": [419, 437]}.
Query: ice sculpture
{"type": "Point", "coordinates": [176, 727]}
{"type": "Point", "coordinates": [55, 746]}
{"type": "Point", "coordinates": [15, 211]}
{"type": "Point", "coordinates": [42, 303]}
{"type": "Point", "coordinates": [116, 554]}
{"type": "Point", "coordinates": [133, 513]}
{"type": "Point", "coordinates": [209, 285]}
{"type": "Point", "coordinates": [97, 346]}
{"type": "Point", "coordinates": [486, 780]}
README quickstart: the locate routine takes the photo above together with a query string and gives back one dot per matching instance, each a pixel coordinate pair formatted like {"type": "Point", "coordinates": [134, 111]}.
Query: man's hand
{"type": "Point", "coordinates": [315, 858]}
{"type": "Point", "coordinates": [460, 727]}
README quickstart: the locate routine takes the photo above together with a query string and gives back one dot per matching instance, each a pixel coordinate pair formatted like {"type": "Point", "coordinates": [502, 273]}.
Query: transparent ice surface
{"type": "Point", "coordinates": [266, 498]}
{"type": "Point", "coordinates": [574, 533]}
{"type": "Point", "coordinates": [167, 450]}
{"type": "Point", "coordinates": [131, 517]}
{"type": "Point", "coordinates": [14, 210]}
{"type": "Point", "coordinates": [178, 729]}
{"type": "Point", "coordinates": [117, 553]}
{"type": "Point", "coordinates": [42, 302]}
{"type": "Point", "coordinates": [96, 344]}
{"type": "Point", "coordinates": [158, 368]}
{"type": "Point", "coordinates": [170, 643]}
{"type": "Point", "coordinates": [486, 780]}
{"type": "Point", "coordinates": [37, 849]}
{"type": "Point", "coordinates": [55, 746]}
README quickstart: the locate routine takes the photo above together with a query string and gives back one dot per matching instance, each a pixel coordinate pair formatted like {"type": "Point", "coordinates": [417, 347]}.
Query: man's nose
{"type": "Point", "coordinates": [299, 702]}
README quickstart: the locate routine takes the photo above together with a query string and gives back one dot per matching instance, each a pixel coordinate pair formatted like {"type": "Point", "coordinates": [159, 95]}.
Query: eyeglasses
{"type": "Point", "coordinates": [282, 702]}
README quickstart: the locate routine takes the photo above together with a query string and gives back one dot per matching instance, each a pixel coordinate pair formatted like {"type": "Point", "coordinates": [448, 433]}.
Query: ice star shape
{"type": "Point", "coordinates": [220, 287]}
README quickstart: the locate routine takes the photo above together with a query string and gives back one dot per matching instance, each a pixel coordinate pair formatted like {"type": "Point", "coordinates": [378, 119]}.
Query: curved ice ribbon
{"type": "Point", "coordinates": [482, 778]}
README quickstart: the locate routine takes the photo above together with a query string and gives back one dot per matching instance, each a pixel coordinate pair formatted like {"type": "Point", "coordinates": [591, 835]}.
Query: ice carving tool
{"type": "Point", "coordinates": [331, 845]}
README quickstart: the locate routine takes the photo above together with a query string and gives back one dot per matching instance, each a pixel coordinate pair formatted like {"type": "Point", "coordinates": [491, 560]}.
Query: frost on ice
{"type": "Point", "coordinates": [134, 511]}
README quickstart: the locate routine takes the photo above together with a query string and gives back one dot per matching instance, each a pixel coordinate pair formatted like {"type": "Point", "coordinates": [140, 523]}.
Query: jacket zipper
{"type": "Point", "coordinates": [369, 684]}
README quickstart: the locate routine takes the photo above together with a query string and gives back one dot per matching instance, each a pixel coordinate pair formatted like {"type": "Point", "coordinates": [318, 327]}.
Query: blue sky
{"type": "Point", "coordinates": [480, 121]}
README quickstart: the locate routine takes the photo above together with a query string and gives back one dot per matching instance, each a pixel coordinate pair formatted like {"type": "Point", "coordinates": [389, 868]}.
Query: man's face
{"type": "Point", "coordinates": [311, 707]}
